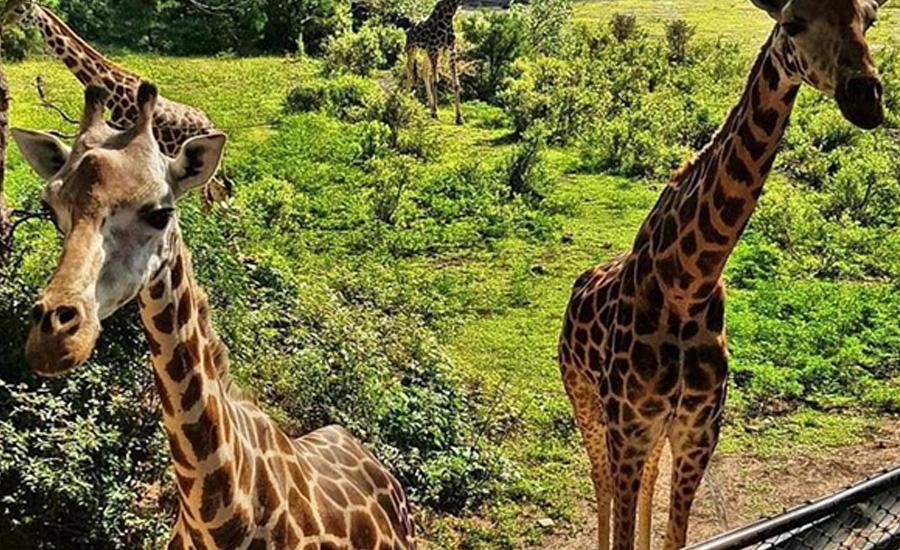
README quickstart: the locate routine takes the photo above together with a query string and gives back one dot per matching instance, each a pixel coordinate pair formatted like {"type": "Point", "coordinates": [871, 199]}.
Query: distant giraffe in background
{"type": "Point", "coordinates": [643, 352]}
{"type": "Point", "coordinates": [434, 35]}
{"type": "Point", "coordinates": [173, 123]}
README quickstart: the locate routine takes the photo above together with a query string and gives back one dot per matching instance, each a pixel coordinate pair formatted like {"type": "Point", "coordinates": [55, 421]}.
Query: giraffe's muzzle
{"type": "Point", "coordinates": [62, 336]}
{"type": "Point", "coordinates": [860, 99]}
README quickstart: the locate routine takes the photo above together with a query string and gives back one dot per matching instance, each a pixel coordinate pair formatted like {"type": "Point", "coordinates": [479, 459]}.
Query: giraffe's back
{"type": "Point", "coordinates": [376, 512]}
{"type": "Point", "coordinates": [583, 346]}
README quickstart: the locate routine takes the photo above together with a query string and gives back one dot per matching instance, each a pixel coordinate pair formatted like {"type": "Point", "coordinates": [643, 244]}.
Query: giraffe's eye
{"type": "Point", "coordinates": [793, 28]}
{"type": "Point", "coordinates": [158, 218]}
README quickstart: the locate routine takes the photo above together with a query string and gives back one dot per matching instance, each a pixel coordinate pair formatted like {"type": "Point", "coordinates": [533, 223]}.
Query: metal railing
{"type": "Point", "coordinates": [865, 516]}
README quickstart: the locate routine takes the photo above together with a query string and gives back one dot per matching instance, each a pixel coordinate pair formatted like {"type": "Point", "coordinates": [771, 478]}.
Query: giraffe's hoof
{"type": "Point", "coordinates": [460, 121]}
{"type": "Point", "coordinates": [434, 116]}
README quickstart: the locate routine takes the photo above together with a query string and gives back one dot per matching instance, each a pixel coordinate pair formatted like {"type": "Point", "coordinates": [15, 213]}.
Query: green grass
{"type": "Point", "coordinates": [730, 19]}
{"type": "Point", "coordinates": [242, 96]}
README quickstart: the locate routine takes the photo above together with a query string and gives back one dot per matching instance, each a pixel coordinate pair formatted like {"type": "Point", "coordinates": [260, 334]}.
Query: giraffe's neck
{"type": "Point", "coordinates": [701, 215]}
{"type": "Point", "coordinates": [445, 10]}
{"type": "Point", "coordinates": [88, 65]}
{"type": "Point", "coordinates": [213, 433]}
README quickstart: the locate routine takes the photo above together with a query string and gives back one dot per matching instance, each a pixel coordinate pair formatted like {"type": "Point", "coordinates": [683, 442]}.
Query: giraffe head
{"type": "Point", "coordinates": [823, 43]}
{"type": "Point", "coordinates": [112, 196]}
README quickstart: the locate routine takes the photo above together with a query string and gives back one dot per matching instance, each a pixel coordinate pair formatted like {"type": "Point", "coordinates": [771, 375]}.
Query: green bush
{"type": "Point", "coordinates": [496, 40]}
{"type": "Point", "coordinates": [547, 22]}
{"type": "Point", "coordinates": [678, 36]}
{"type": "Point", "coordinates": [624, 26]}
{"type": "Point", "coordinates": [346, 97]}
{"type": "Point", "coordinates": [83, 460]}
{"type": "Point", "coordinates": [816, 343]}
{"type": "Point", "coordinates": [362, 52]}
{"type": "Point", "coordinates": [630, 111]}
{"type": "Point", "coordinates": [210, 27]}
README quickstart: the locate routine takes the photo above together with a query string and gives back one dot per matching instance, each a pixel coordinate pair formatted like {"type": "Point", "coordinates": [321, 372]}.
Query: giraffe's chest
{"type": "Point", "coordinates": [625, 336]}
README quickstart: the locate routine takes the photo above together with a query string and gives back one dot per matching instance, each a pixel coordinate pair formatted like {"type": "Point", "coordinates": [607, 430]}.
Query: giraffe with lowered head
{"type": "Point", "coordinates": [242, 483]}
{"type": "Point", "coordinates": [173, 123]}
{"type": "Point", "coordinates": [434, 35]}
{"type": "Point", "coordinates": [643, 351]}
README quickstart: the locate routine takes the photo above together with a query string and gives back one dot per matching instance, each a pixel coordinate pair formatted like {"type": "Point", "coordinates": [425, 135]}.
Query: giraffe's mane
{"type": "Point", "coordinates": [701, 155]}
{"type": "Point", "coordinates": [218, 349]}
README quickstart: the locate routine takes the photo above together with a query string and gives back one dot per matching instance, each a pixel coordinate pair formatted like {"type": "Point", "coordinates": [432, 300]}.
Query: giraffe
{"type": "Point", "coordinates": [242, 483]}
{"type": "Point", "coordinates": [642, 352]}
{"type": "Point", "coordinates": [173, 123]}
{"type": "Point", "coordinates": [433, 35]}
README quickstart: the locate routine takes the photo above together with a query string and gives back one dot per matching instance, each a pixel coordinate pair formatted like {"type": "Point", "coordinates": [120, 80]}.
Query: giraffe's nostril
{"type": "Point", "coordinates": [66, 314]}
{"type": "Point", "coordinates": [37, 313]}
{"type": "Point", "coordinates": [864, 88]}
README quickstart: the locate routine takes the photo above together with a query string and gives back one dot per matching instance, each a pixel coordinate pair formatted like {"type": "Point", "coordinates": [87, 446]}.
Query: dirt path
{"type": "Point", "coordinates": [743, 489]}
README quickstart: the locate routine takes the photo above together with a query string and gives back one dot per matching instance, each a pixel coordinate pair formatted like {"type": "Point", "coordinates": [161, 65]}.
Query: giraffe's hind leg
{"type": "Point", "coordinates": [585, 399]}
{"type": "Point", "coordinates": [645, 500]}
{"type": "Point", "coordinates": [412, 73]}
{"type": "Point", "coordinates": [432, 79]}
{"type": "Point", "coordinates": [454, 58]}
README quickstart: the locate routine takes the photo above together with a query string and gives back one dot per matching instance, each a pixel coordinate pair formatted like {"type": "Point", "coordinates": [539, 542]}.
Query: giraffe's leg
{"type": "Point", "coordinates": [433, 59]}
{"type": "Point", "coordinates": [694, 431]}
{"type": "Point", "coordinates": [628, 457]}
{"type": "Point", "coordinates": [645, 500]}
{"type": "Point", "coordinates": [585, 399]}
{"type": "Point", "coordinates": [412, 76]}
{"type": "Point", "coordinates": [454, 57]}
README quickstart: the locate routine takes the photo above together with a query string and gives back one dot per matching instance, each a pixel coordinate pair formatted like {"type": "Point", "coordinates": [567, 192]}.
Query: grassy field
{"type": "Point", "coordinates": [729, 19]}
{"type": "Point", "coordinates": [502, 341]}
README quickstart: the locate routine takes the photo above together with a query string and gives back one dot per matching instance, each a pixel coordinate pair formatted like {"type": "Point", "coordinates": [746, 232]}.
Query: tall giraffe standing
{"type": "Point", "coordinates": [434, 35]}
{"type": "Point", "coordinates": [643, 350]}
{"type": "Point", "coordinates": [173, 123]}
{"type": "Point", "coordinates": [242, 483]}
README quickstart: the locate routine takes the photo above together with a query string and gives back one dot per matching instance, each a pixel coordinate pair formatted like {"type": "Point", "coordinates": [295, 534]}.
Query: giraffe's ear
{"type": "Point", "coordinates": [773, 7]}
{"type": "Point", "coordinates": [46, 154]}
{"type": "Point", "coordinates": [197, 163]}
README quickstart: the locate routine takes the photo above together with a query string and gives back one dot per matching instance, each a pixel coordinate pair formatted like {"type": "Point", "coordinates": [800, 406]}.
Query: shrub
{"type": "Point", "coordinates": [526, 175]}
{"type": "Point", "coordinates": [402, 111]}
{"type": "Point", "coordinates": [346, 97]}
{"type": "Point", "coordinates": [560, 97]}
{"type": "Point", "coordinates": [624, 26]}
{"type": "Point", "coordinates": [496, 40]}
{"type": "Point", "coordinates": [547, 20]}
{"type": "Point", "coordinates": [792, 344]}
{"type": "Point", "coordinates": [359, 53]}
{"type": "Point", "coordinates": [678, 36]}
{"type": "Point", "coordinates": [82, 460]}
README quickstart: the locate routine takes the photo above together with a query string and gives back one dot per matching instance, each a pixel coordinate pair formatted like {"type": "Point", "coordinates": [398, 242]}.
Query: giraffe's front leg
{"type": "Point", "coordinates": [630, 450]}
{"type": "Point", "coordinates": [645, 500]}
{"type": "Point", "coordinates": [694, 431]}
{"type": "Point", "coordinates": [454, 72]}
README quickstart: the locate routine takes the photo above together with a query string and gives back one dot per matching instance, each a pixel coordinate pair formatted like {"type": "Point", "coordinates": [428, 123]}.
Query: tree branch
{"type": "Point", "coordinates": [46, 103]}
{"type": "Point", "coordinates": [216, 10]}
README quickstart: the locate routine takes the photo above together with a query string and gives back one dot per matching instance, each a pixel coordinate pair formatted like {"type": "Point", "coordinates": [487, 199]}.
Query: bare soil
{"type": "Point", "coordinates": [741, 489]}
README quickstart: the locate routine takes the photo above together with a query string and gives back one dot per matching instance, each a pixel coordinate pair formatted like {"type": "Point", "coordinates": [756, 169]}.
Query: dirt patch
{"type": "Point", "coordinates": [741, 489]}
